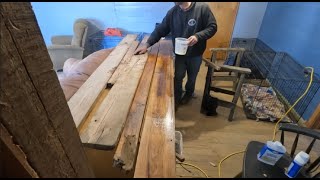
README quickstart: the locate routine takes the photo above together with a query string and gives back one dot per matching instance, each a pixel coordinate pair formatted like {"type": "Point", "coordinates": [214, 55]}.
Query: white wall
{"type": "Point", "coordinates": [249, 19]}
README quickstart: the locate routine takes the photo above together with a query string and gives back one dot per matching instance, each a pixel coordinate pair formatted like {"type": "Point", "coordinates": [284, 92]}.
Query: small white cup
{"type": "Point", "coordinates": [181, 46]}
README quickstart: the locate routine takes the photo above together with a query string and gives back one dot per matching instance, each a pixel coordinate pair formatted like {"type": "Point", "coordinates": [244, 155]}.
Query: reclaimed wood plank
{"type": "Point", "coordinates": [81, 102]}
{"type": "Point", "coordinates": [17, 152]}
{"type": "Point", "coordinates": [105, 127]}
{"type": "Point", "coordinates": [126, 63]}
{"type": "Point", "coordinates": [33, 106]}
{"type": "Point", "coordinates": [156, 155]}
{"type": "Point", "coordinates": [127, 148]}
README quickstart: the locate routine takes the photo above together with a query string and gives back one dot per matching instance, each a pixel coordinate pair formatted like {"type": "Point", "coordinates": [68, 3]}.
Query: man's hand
{"type": "Point", "coordinates": [141, 50]}
{"type": "Point", "coordinates": [192, 40]}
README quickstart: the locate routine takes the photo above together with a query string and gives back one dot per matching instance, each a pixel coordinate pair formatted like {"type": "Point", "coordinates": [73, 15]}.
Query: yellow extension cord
{"type": "Point", "coordinates": [275, 127]}
{"type": "Point", "coordinates": [219, 166]}
{"type": "Point", "coordinates": [187, 164]}
{"type": "Point", "coordinates": [306, 91]}
{"type": "Point", "coordinates": [274, 131]}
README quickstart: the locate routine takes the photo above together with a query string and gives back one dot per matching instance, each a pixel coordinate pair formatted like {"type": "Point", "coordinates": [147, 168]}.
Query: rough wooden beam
{"type": "Point", "coordinates": [17, 152]}
{"type": "Point", "coordinates": [127, 148]}
{"type": "Point", "coordinates": [81, 102]}
{"type": "Point", "coordinates": [156, 156]}
{"type": "Point", "coordinates": [105, 127]}
{"type": "Point", "coordinates": [126, 63]}
{"type": "Point", "coordinates": [33, 106]}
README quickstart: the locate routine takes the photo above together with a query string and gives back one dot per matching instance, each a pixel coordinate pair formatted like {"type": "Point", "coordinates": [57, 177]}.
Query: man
{"type": "Point", "coordinates": [192, 20]}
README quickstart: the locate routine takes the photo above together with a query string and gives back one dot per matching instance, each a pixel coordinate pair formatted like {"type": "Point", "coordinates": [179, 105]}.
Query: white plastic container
{"type": "Point", "coordinates": [181, 46]}
{"type": "Point", "coordinates": [271, 152]}
{"type": "Point", "coordinates": [298, 162]}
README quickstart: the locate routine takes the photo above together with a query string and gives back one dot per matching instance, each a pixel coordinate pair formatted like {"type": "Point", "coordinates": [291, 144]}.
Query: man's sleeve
{"type": "Point", "coordinates": [210, 26]}
{"type": "Point", "coordinates": [162, 30]}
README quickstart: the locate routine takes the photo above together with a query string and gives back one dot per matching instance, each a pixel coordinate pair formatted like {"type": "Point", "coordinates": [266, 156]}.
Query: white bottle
{"type": "Point", "coordinates": [271, 152]}
{"type": "Point", "coordinates": [298, 162]}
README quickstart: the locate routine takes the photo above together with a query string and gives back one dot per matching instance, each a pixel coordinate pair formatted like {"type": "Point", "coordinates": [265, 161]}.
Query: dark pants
{"type": "Point", "coordinates": [184, 64]}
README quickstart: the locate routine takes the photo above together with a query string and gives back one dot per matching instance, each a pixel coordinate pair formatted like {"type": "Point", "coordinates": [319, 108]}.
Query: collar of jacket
{"type": "Point", "coordinates": [190, 7]}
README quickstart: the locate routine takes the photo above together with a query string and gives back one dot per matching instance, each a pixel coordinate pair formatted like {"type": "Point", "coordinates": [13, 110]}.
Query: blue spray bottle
{"type": "Point", "coordinates": [298, 162]}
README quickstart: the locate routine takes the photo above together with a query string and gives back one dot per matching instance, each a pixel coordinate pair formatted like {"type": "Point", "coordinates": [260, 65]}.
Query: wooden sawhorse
{"type": "Point", "coordinates": [237, 78]}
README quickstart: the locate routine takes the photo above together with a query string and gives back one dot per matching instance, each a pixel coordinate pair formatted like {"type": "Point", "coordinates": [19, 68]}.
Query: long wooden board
{"type": "Point", "coordinates": [81, 102]}
{"type": "Point", "coordinates": [121, 69]}
{"type": "Point", "coordinates": [127, 148]}
{"type": "Point", "coordinates": [105, 128]}
{"type": "Point", "coordinates": [127, 62]}
{"type": "Point", "coordinates": [33, 107]}
{"type": "Point", "coordinates": [156, 157]}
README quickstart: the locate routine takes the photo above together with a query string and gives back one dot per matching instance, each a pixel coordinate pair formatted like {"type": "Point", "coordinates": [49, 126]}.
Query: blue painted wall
{"type": "Point", "coordinates": [249, 19]}
{"type": "Point", "coordinates": [294, 28]}
{"type": "Point", "coordinates": [57, 18]}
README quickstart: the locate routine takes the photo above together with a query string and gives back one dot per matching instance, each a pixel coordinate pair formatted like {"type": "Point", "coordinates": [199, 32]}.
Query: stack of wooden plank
{"type": "Point", "coordinates": [128, 101]}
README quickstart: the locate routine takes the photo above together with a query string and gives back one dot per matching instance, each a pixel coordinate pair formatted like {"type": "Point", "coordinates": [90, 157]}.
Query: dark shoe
{"type": "Point", "coordinates": [211, 106]}
{"type": "Point", "coordinates": [186, 98]}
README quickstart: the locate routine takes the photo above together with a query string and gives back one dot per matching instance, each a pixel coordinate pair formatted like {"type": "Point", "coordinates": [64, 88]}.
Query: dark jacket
{"type": "Point", "coordinates": [198, 20]}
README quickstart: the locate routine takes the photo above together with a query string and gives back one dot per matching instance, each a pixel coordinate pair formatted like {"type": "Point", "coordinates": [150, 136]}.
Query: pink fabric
{"type": "Point", "coordinates": [69, 65]}
{"type": "Point", "coordinates": [76, 72]}
{"type": "Point", "coordinates": [71, 84]}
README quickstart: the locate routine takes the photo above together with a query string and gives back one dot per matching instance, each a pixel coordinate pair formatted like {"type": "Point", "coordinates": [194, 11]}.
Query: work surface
{"type": "Point", "coordinates": [126, 106]}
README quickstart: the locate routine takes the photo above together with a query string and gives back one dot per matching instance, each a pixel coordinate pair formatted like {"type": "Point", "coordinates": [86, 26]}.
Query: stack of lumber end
{"type": "Point", "coordinates": [126, 107]}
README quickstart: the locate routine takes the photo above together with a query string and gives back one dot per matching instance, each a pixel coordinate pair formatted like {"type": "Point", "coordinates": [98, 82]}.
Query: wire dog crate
{"type": "Point", "coordinates": [276, 82]}
{"type": "Point", "coordinates": [290, 80]}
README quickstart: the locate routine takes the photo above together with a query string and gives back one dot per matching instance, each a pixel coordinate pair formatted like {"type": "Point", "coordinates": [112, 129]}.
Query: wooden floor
{"type": "Point", "coordinates": [207, 140]}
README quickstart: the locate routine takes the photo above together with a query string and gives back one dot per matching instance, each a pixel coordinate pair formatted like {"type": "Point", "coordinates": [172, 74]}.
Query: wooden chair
{"type": "Point", "coordinates": [236, 75]}
{"type": "Point", "coordinates": [252, 168]}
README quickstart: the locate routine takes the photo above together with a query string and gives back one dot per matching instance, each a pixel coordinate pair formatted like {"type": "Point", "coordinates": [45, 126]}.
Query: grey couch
{"type": "Point", "coordinates": [74, 46]}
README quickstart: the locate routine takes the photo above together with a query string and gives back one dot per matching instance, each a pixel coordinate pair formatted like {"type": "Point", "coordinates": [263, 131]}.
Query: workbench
{"type": "Point", "coordinates": [124, 112]}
